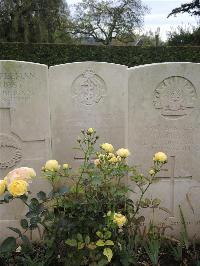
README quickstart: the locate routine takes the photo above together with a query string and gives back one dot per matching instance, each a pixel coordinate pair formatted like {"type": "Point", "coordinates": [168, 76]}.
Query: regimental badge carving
{"type": "Point", "coordinates": [175, 97]}
{"type": "Point", "coordinates": [10, 151]}
{"type": "Point", "coordinates": [89, 88]}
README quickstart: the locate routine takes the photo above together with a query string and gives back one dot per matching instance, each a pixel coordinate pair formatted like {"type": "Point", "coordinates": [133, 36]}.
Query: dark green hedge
{"type": "Point", "coordinates": [53, 54]}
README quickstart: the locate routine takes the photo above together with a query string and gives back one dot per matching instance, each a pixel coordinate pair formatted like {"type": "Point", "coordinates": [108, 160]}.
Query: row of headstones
{"type": "Point", "coordinates": [147, 109]}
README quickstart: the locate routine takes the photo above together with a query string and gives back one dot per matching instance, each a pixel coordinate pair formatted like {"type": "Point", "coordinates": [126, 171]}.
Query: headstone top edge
{"type": "Point", "coordinates": [162, 64]}
{"type": "Point", "coordinates": [24, 62]}
{"type": "Point", "coordinates": [86, 63]}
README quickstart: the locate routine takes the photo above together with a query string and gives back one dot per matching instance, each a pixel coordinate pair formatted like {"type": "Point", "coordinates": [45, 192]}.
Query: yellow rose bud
{"type": "Point", "coordinates": [52, 165]}
{"type": "Point", "coordinates": [107, 147]}
{"type": "Point", "coordinates": [18, 188]}
{"type": "Point", "coordinates": [156, 202]}
{"type": "Point", "coordinates": [113, 160]}
{"type": "Point", "coordinates": [109, 213]}
{"type": "Point", "coordinates": [160, 157]}
{"type": "Point", "coordinates": [2, 187]}
{"type": "Point", "coordinates": [97, 162]}
{"type": "Point", "coordinates": [31, 172]}
{"type": "Point", "coordinates": [152, 172]}
{"type": "Point", "coordinates": [90, 131]}
{"type": "Point", "coordinates": [123, 153]}
{"type": "Point", "coordinates": [119, 219]}
{"type": "Point", "coordinates": [65, 166]}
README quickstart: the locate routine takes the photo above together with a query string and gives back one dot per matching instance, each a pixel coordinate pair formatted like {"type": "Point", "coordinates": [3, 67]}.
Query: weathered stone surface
{"type": "Point", "coordinates": [84, 95]}
{"type": "Point", "coordinates": [164, 108]}
{"type": "Point", "coordinates": [24, 125]}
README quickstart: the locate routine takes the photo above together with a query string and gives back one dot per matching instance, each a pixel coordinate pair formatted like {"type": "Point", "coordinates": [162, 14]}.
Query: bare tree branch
{"type": "Point", "coordinates": [107, 19]}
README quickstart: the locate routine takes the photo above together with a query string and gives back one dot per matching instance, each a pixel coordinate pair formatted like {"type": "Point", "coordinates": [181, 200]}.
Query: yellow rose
{"type": "Point", "coordinates": [90, 131]}
{"type": "Point", "coordinates": [123, 153]}
{"type": "Point", "coordinates": [22, 173]}
{"type": "Point", "coordinates": [119, 219]}
{"type": "Point", "coordinates": [65, 166]}
{"type": "Point", "coordinates": [113, 160]}
{"type": "Point", "coordinates": [18, 188]}
{"type": "Point", "coordinates": [2, 187]}
{"type": "Point", "coordinates": [152, 172]}
{"type": "Point", "coordinates": [107, 147]}
{"type": "Point", "coordinates": [52, 165]}
{"type": "Point", "coordinates": [160, 157]}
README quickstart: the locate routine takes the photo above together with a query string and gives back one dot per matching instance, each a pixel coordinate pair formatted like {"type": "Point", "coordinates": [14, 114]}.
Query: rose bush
{"type": "Point", "coordinates": [89, 221]}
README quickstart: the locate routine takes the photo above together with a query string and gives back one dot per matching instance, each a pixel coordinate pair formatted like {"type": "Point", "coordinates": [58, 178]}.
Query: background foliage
{"type": "Point", "coordinates": [184, 36]}
{"type": "Point", "coordinates": [33, 21]}
{"type": "Point", "coordinates": [52, 54]}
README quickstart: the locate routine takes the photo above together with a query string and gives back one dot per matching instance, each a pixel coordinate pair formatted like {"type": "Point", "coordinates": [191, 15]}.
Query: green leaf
{"type": "Point", "coordinates": [71, 242]}
{"type": "Point", "coordinates": [26, 241]}
{"type": "Point", "coordinates": [41, 195]}
{"type": "Point", "coordinates": [107, 234]}
{"type": "Point", "coordinates": [108, 253]}
{"type": "Point", "coordinates": [7, 198]}
{"type": "Point", "coordinates": [30, 214]}
{"type": "Point", "coordinates": [99, 234]}
{"type": "Point", "coordinates": [87, 240]}
{"type": "Point", "coordinates": [91, 246]}
{"type": "Point", "coordinates": [100, 243]}
{"type": "Point", "coordinates": [34, 202]}
{"type": "Point", "coordinates": [16, 230]}
{"type": "Point", "coordinates": [109, 243]}
{"type": "Point", "coordinates": [24, 223]}
{"type": "Point", "coordinates": [8, 245]}
{"type": "Point", "coordinates": [96, 180]}
{"type": "Point", "coordinates": [80, 237]}
{"type": "Point", "coordinates": [81, 245]}
{"type": "Point", "coordinates": [103, 262]}
{"type": "Point", "coordinates": [34, 222]}
{"type": "Point", "coordinates": [24, 197]}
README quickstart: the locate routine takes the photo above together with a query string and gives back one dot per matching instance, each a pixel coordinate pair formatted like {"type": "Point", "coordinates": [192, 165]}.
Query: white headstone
{"type": "Point", "coordinates": [164, 115]}
{"type": "Point", "coordinates": [84, 95]}
{"type": "Point", "coordinates": [24, 126]}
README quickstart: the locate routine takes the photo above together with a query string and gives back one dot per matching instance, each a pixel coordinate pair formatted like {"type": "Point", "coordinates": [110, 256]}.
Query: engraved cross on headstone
{"type": "Point", "coordinates": [171, 175]}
